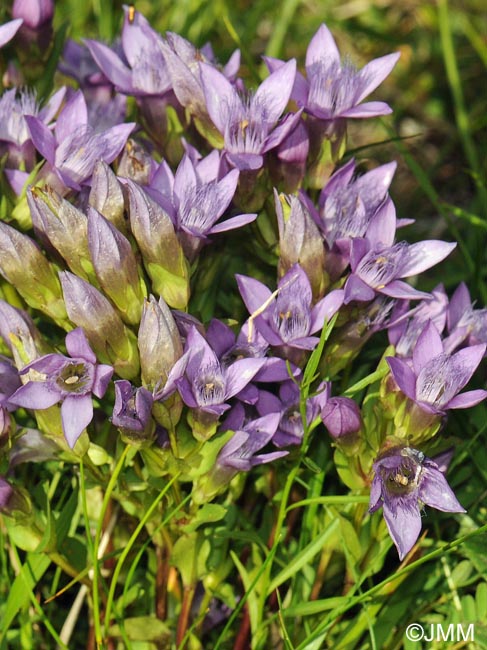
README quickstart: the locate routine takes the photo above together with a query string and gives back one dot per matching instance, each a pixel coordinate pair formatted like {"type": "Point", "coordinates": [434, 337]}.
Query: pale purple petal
{"type": "Point", "coordinates": [47, 113]}
{"type": "Point", "coordinates": [404, 291]}
{"type": "Point", "coordinates": [76, 414]}
{"type": "Point", "coordinates": [73, 116]}
{"type": "Point", "coordinates": [466, 361]}
{"type": "Point", "coordinates": [425, 254]}
{"type": "Point", "coordinates": [8, 30]}
{"type": "Point", "coordinates": [111, 65]}
{"type": "Point", "coordinates": [77, 345]}
{"type": "Point", "coordinates": [35, 395]}
{"type": "Point", "coordinates": [403, 375]}
{"type": "Point", "coordinates": [254, 293]}
{"type": "Point", "coordinates": [404, 526]}
{"type": "Point", "coordinates": [374, 73]}
{"type": "Point", "coordinates": [245, 161]}
{"type": "Point", "coordinates": [221, 96]}
{"type": "Point", "coordinates": [282, 130]}
{"type": "Point", "coordinates": [369, 109]}
{"type": "Point", "coordinates": [240, 373]}
{"type": "Point", "coordinates": [460, 303]}
{"type": "Point", "coordinates": [273, 93]}
{"type": "Point", "coordinates": [375, 494]}
{"type": "Point", "coordinates": [322, 47]}
{"type": "Point", "coordinates": [325, 309]}
{"type": "Point", "coordinates": [233, 222]}
{"type": "Point", "coordinates": [42, 138]}
{"type": "Point", "coordinates": [382, 226]}
{"type": "Point", "coordinates": [466, 400]}
{"type": "Point", "coordinates": [434, 491]}
{"type": "Point", "coordinates": [356, 289]}
{"type": "Point", "coordinates": [114, 140]}
{"type": "Point", "coordinates": [428, 346]}
{"type": "Point", "coordinates": [103, 374]}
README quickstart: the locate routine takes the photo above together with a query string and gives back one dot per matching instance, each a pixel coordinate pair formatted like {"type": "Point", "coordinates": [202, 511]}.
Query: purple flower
{"type": "Point", "coordinates": [70, 380]}
{"type": "Point", "coordinates": [407, 324]}
{"type": "Point", "coordinates": [132, 411]}
{"type": "Point", "coordinates": [140, 69]}
{"type": "Point", "coordinates": [434, 378]}
{"type": "Point", "coordinates": [378, 264]}
{"type": "Point", "coordinates": [203, 382]}
{"type": "Point", "coordinates": [34, 13]}
{"type": "Point", "coordinates": [74, 147]}
{"type": "Point", "coordinates": [287, 317]}
{"type": "Point", "coordinates": [247, 122]}
{"type": "Point", "coordinates": [341, 416]}
{"type": "Point", "coordinates": [8, 30]}
{"type": "Point", "coordinates": [404, 481]}
{"type": "Point", "coordinates": [465, 324]}
{"type": "Point", "coordinates": [182, 60]}
{"type": "Point", "coordinates": [291, 430]}
{"type": "Point", "coordinates": [333, 89]}
{"type": "Point", "coordinates": [198, 199]}
{"type": "Point", "coordinates": [15, 139]}
{"type": "Point", "coordinates": [6, 490]}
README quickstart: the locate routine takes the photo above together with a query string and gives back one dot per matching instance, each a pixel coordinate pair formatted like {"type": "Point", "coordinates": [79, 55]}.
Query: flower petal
{"type": "Point", "coordinates": [77, 345]}
{"type": "Point", "coordinates": [466, 400]}
{"type": "Point", "coordinates": [273, 93]}
{"type": "Point", "coordinates": [322, 47]}
{"type": "Point", "coordinates": [374, 74]}
{"type": "Point", "coordinates": [221, 97]}
{"type": "Point", "coordinates": [76, 414]}
{"type": "Point", "coordinates": [404, 526]}
{"type": "Point", "coordinates": [403, 375]}
{"type": "Point", "coordinates": [428, 346]}
{"type": "Point", "coordinates": [35, 395]}
{"type": "Point", "coordinates": [434, 491]}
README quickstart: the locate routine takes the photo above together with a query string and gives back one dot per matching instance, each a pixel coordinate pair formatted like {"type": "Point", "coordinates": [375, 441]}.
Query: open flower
{"type": "Point", "coordinates": [436, 377]}
{"type": "Point", "coordinates": [71, 380]}
{"type": "Point", "coordinates": [404, 481]}
{"type": "Point", "coordinates": [248, 122]}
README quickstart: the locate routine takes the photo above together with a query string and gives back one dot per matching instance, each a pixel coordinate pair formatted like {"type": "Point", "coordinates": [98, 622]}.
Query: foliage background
{"type": "Point", "coordinates": [438, 135]}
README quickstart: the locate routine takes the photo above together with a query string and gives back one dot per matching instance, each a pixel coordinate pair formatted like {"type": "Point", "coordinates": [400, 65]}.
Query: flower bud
{"type": "Point", "coordinates": [23, 265]}
{"type": "Point", "coordinates": [112, 342]}
{"type": "Point", "coordinates": [21, 335]}
{"type": "Point", "coordinates": [116, 267]}
{"type": "Point", "coordinates": [132, 413]}
{"type": "Point", "coordinates": [159, 343]}
{"type": "Point", "coordinates": [341, 416]}
{"type": "Point", "coordinates": [106, 196]}
{"type": "Point", "coordinates": [135, 163]}
{"type": "Point", "coordinates": [161, 251]}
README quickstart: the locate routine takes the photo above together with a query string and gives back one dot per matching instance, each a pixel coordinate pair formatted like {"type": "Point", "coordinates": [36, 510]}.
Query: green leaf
{"type": "Point", "coordinates": [31, 572]}
{"type": "Point", "coordinates": [144, 628]}
{"type": "Point", "coordinates": [208, 513]}
{"type": "Point", "coordinates": [304, 557]}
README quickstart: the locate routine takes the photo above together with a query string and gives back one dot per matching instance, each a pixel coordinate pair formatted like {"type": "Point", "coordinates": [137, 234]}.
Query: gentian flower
{"type": "Point", "coordinates": [132, 411]}
{"type": "Point", "coordinates": [248, 122]}
{"type": "Point", "coordinates": [202, 381]}
{"type": "Point", "coordinates": [333, 89]}
{"type": "Point", "coordinates": [465, 324]}
{"type": "Point", "coordinates": [182, 60]}
{"type": "Point", "coordinates": [74, 147]}
{"type": "Point", "coordinates": [404, 481]}
{"type": "Point", "coordinates": [15, 139]}
{"type": "Point", "coordinates": [69, 380]}
{"type": "Point", "coordinates": [436, 377]}
{"type": "Point", "coordinates": [407, 324]}
{"type": "Point", "coordinates": [291, 430]}
{"type": "Point", "coordinates": [378, 264]}
{"type": "Point", "coordinates": [341, 416]}
{"type": "Point", "coordinates": [286, 319]}
{"type": "Point", "coordinates": [197, 199]}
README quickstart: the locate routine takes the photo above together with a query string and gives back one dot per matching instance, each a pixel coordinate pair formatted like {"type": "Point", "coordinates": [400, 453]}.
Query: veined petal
{"type": "Point", "coordinates": [325, 309]}
{"type": "Point", "coordinates": [273, 93]}
{"type": "Point", "coordinates": [42, 138]}
{"type": "Point", "coordinates": [114, 140]}
{"type": "Point", "coordinates": [434, 491]}
{"type": "Point", "coordinates": [221, 96]}
{"type": "Point", "coordinates": [423, 255]}
{"type": "Point", "coordinates": [428, 346]}
{"type": "Point", "coordinates": [77, 345]}
{"type": "Point", "coordinates": [282, 130]}
{"type": "Point", "coordinates": [73, 116]}
{"type": "Point", "coordinates": [35, 395]}
{"type": "Point", "coordinates": [467, 361]}
{"type": "Point", "coordinates": [467, 400]}
{"type": "Point", "coordinates": [322, 47]}
{"type": "Point", "coordinates": [404, 526]}
{"type": "Point", "coordinates": [240, 373]}
{"type": "Point", "coordinates": [382, 226]}
{"type": "Point", "coordinates": [374, 74]}
{"type": "Point", "coordinates": [404, 291]}
{"type": "Point", "coordinates": [403, 375]}
{"type": "Point", "coordinates": [76, 414]}
{"type": "Point", "coordinates": [233, 222]}
{"type": "Point", "coordinates": [369, 109]}
{"type": "Point", "coordinates": [356, 289]}
{"type": "Point", "coordinates": [254, 293]}
{"type": "Point", "coordinates": [111, 65]}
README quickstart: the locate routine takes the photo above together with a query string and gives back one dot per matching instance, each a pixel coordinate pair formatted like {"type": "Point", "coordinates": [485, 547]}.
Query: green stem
{"type": "Point", "coordinates": [96, 544]}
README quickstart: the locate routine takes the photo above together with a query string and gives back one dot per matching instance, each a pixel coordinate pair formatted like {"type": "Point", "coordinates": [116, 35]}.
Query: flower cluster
{"type": "Point", "coordinates": [126, 242]}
